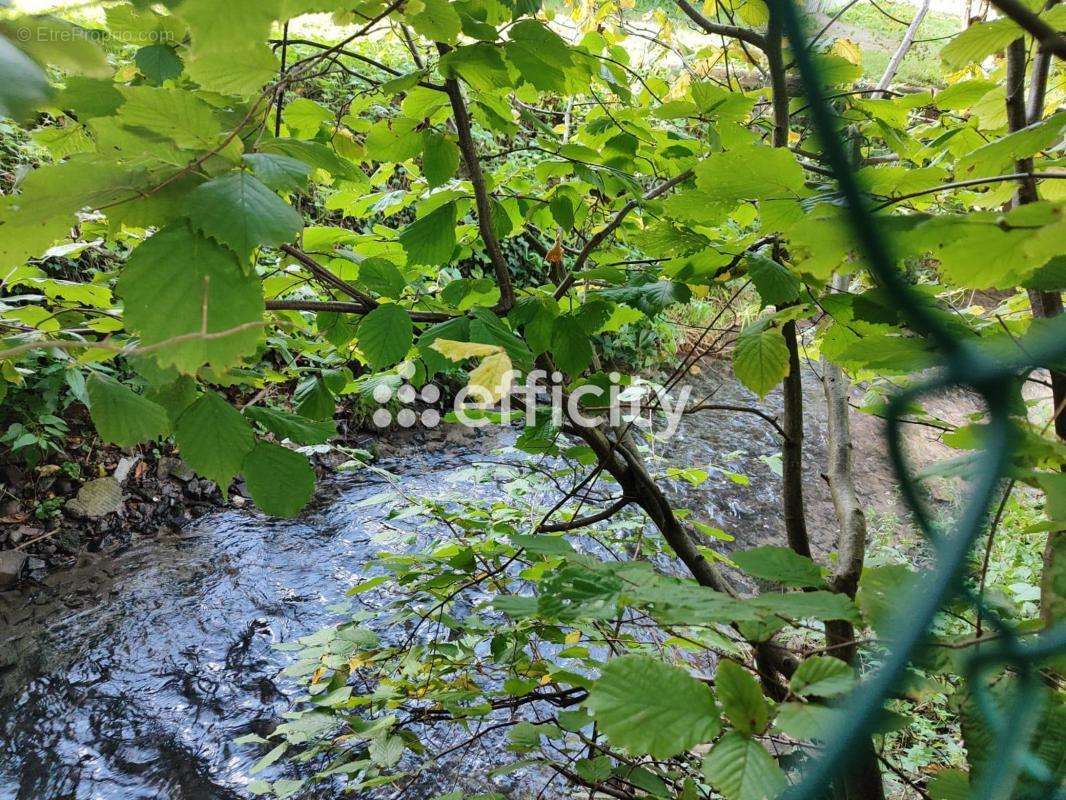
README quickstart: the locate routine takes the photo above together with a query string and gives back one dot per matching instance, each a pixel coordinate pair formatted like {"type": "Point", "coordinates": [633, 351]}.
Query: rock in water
{"type": "Point", "coordinates": [11, 564]}
{"type": "Point", "coordinates": [96, 499]}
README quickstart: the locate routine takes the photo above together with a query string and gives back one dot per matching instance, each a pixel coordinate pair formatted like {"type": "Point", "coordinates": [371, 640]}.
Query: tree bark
{"type": "Point", "coordinates": [1044, 304]}
{"type": "Point", "coordinates": [901, 51]}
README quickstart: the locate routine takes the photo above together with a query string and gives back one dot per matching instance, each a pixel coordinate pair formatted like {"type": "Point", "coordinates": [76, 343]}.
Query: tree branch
{"type": "Point", "coordinates": [1033, 25]}
{"type": "Point", "coordinates": [481, 193]}
{"type": "Point", "coordinates": [601, 235]}
{"type": "Point", "coordinates": [717, 29]}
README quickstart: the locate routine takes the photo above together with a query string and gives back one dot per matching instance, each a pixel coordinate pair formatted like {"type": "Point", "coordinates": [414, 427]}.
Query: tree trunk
{"type": "Point", "coordinates": [1044, 304]}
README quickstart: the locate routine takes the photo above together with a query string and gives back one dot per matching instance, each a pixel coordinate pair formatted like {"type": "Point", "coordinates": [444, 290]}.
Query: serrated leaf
{"type": "Point", "coordinates": [980, 40]}
{"type": "Point", "coordinates": [238, 210]}
{"type": "Point", "coordinates": [177, 284]}
{"type": "Point", "coordinates": [774, 283]}
{"type": "Point", "coordinates": [430, 240]}
{"type": "Point", "coordinates": [760, 358]}
{"type": "Point", "coordinates": [780, 564]}
{"type": "Point", "coordinates": [741, 769]}
{"type": "Point", "coordinates": [571, 348]}
{"type": "Point", "coordinates": [280, 173]}
{"type": "Point", "coordinates": [741, 698]}
{"type": "Point", "coordinates": [440, 158]}
{"type": "Point", "coordinates": [381, 277]}
{"type": "Point", "coordinates": [822, 676]}
{"type": "Point", "coordinates": [806, 721]}
{"type": "Point", "coordinates": [385, 335]}
{"type": "Point", "coordinates": [648, 707]}
{"type": "Point", "coordinates": [436, 20]}
{"type": "Point", "coordinates": [386, 751]}
{"type": "Point", "coordinates": [214, 438]}
{"type": "Point", "coordinates": [457, 351]}
{"type": "Point", "coordinates": [300, 430]}
{"type": "Point", "coordinates": [174, 113]}
{"type": "Point", "coordinates": [158, 63]}
{"type": "Point", "coordinates": [280, 481]}
{"type": "Point", "coordinates": [122, 416]}
{"type": "Point", "coordinates": [492, 378]}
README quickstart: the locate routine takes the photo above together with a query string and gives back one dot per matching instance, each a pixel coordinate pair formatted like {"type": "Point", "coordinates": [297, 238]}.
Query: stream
{"type": "Point", "coordinates": [128, 677]}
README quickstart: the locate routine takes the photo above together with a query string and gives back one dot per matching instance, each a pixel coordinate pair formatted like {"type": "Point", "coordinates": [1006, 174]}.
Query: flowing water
{"type": "Point", "coordinates": [129, 676]}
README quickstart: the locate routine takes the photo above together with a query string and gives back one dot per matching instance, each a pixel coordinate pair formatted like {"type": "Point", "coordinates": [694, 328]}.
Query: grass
{"type": "Point", "coordinates": [879, 35]}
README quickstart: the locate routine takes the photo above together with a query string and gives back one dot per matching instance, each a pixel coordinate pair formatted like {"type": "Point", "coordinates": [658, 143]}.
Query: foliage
{"type": "Point", "coordinates": [355, 216]}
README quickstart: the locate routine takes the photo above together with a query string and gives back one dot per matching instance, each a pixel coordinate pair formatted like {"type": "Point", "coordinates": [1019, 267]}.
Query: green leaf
{"type": "Point", "coordinates": [239, 211]}
{"type": "Point", "coordinates": [648, 707]}
{"type": "Point", "coordinates": [540, 55]}
{"type": "Point", "coordinates": [158, 63]}
{"type": "Point", "coordinates": [61, 44]}
{"type": "Point", "coordinates": [381, 277]}
{"type": "Point", "coordinates": [280, 173]}
{"type": "Point", "coordinates": [822, 676]}
{"type": "Point", "coordinates": [436, 20]}
{"type": "Point", "coordinates": [430, 240]}
{"type": "Point", "coordinates": [1000, 154]}
{"type": "Point", "coordinates": [394, 139]}
{"type": "Point", "coordinates": [23, 84]}
{"type": "Point", "coordinates": [978, 41]}
{"type": "Point", "coordinates": [178, 283]}
{"type": "Point", "coordinates": [800, 605]}
{"type": "Point", "coordinates": [571, 348]}
{"type": "Point", "coordinates": [280, 480]}
{"type": "Point", "coordinates": [651, 298]}
{"type": "Point", "coordinates": [440, 158]}
{"type": "Point", "coordinates": [806, 720]}
{"type": "Point", "coordinates": [741, 698]}
{"type": "Point", "coordinates": [300, 430]}
{"type": "Point", "coordinates": [305, 117]}
{"type": "Point", "coordinates": [775, 284]}
{"type": "Point", "coordinates": [385, 335]}
{"type": "Point", "coordinates": [214, 438]}
{"type": "Point", "coordinates": [386, 751]}
{"type": "Point", "coordinates": [480, 65]}
{"type": "Point", "coordinates": [175, 114]}
{"type": "Point", "coordinates": [780, 564]}
{"type": "Point", "coordinates": [122, 416]}
{"type": "Point", "coordinates": [755, 172]}
{"type": "Point", "coordinates": [950, 784]}
{"type": "Point", "coordinates": [741, 769]}
{"type": "Point", "coordinates": [760, 358]}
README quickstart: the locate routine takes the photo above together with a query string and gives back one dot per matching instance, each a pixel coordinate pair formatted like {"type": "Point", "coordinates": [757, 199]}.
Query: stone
{"type": "Point", "coordinates": [96, 499]}
{"type": "Point", "coordinates": [125, 465]}
{"type": "Point", "coordinates": [12, 563]}
{"type": "Point", "coordinates": [23, 532]}
{"type": "Point", "coordinates": [168, 467]}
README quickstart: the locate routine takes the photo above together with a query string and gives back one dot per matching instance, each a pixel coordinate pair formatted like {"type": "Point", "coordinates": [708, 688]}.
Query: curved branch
{"type": "Point", "coordinates": [717, 29]}
{"type": "Point", "coordinates": [481, 192]}
{"type": "Point", "coordinates": [972, 182]}
{"type": "Point", "coordinates": [584, 522]}
{"type": "Point", "coordinates": [341, 307]}
{"type": "Point", "coordinates": [1031, 23]}
{"type": "Point", "coordinates": [611, 226]}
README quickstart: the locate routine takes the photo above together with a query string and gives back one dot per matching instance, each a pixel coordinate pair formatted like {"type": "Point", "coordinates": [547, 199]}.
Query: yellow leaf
{"type": "Point", "coordinates": [754, 12]}
{"type": "Point", "coordinates": [457, 351]}
{"type": "Point", "coordinates": [318, 675]}
{"type": "Point", "coordinates": [545, 680]}
{"type": "Point", "coordinates": [847, 49]}
{"type": "Point", "coordinates": [492, 378]}
{"type": "Point", "coordinates": [710, 8]}
{"type": "Point", "coordinates": [573, 637]}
